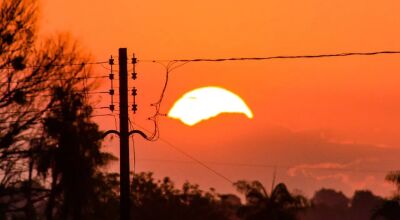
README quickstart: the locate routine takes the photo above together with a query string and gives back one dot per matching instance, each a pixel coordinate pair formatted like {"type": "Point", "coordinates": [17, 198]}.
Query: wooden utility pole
{"type": "Point", "coordinates": [124, 134]}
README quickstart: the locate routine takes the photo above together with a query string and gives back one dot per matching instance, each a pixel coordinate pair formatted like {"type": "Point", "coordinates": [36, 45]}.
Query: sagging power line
{"type": "Point", "coordinates": [310, 56]}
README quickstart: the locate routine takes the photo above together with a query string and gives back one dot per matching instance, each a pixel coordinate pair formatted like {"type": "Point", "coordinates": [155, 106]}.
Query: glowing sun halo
{"type": "Point", "coordinates": [205, 103]}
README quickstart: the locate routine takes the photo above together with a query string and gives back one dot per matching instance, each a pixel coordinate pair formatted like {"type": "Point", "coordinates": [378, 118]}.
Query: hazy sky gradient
{"type": "Point", "coordinates": [339, 113]}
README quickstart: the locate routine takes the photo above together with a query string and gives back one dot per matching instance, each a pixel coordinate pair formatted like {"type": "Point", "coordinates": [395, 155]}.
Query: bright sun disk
{"type": "Point", "coordinates": [207, 102]}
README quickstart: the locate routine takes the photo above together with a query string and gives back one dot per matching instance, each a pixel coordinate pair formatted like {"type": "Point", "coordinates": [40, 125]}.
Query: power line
{"type": "Point", "coordinates": [93, 92]}
{"type": "Point", "coordinates": [50, 109]}
{"type": "Point", "coordinates": [311, 56]}
{"type": "Point", "coordinates": [133, 147]}
{"type": "Point", "coordinates": [173, 64]}
{"type": "Point", "coordinates": [192, 158]}
{"type": "Point", "coordinates": [60, 65]}
{"type": "Point", "coordinates": [269, 166]}
{"type": "Point", "coordinates": [35, 121]}
{"type": "Point", "coordinates": [21, 112]}
{"type": "Point", "coordinates": [104, 107]}
{"type": "Point", "coordinates": [55, 78]}
{"type": "Point", "coordinates": [101, 115]}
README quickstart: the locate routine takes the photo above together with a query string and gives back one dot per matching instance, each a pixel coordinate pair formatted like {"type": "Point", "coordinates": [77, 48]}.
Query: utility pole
{"type": "Point", "coordinates": [124, 134]}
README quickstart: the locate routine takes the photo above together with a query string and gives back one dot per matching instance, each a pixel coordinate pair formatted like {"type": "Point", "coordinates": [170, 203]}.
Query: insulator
{"type": "Point", "coordinates": [134, 76]}
{"type": "Point", "coordinates": [134, 91]}
{"type": "Point", "coordinates": [111, 61]}
{"type": "Point", "coordinates": [134, 108]}
{"type": "Point", "coordinates": [112, 107]}
{"type": "Point", "coordinates": [111, 76]}
{"type": "Point", "coordinates": [134, 60]}
{"type": "Point", "coordinates": [111, 91]}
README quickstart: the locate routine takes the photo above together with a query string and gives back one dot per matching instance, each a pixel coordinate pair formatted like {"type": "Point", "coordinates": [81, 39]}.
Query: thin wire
{"type": "Point", "coordinates": [169, 67]}
{"type": "Point", "coordinates": [102, 115]}
{"type": "Point", "coordinates": [100, 108]}
{"type": "Point", "coordinates": [115, 121]}
{"type": "Point", "coordinates": [269, 166]}
{"type": "Point", "coordinates": [37, 111]}
{"type": "Point", "coordinates": [19, 121]}
{"type": "Point", "coordinates": [105, 108]}
{"type": "Point", "coordinates": [84, 81]}
{"type": "Point", "coordinates": [191, 157]}
{"type": "Point", "coordinates": [133, 147]}
{"type": "Point", "coordinates": [60, 78]}
{"type": "Point", "coordinates": [63, 64]}
{"type": "Point", "coordinates": [86, 93]}
{"type": "Point", "coordinates": [105, 67]}
{"type": "Point", "coordinates": [176, 63]}
{"type": "Point", "coordinates": [10, 113]}
{"type": "Point", "coordinates": [112, 114]}
{"type": "Point", "coordinates": [311, 56]}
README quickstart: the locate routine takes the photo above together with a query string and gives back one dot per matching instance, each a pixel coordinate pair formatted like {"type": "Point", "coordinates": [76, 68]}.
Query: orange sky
{"type": "Point", "coordinates": [333, 112]}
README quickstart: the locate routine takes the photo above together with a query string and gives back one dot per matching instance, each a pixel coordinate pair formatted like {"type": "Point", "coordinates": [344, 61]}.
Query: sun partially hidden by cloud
{"type": "Point", "coordinates": [207, 102]}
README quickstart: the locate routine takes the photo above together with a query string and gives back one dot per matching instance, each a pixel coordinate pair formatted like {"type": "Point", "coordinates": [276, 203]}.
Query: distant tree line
{"type": "Point", "coordinates": [51, 160]}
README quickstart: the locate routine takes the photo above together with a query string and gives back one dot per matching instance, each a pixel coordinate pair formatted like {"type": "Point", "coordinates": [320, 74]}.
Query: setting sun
{"type": "Point", "coordinates": [207, 102]}
{"type": "Point", "coordinates": [145, 109]}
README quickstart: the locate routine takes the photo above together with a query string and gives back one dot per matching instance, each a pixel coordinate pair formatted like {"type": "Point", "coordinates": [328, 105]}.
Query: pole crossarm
{"type": "Point", "coordinates": [129, 134]}
{"type": "Point", "coordinates": [111, 132]}
{"type": "Point", "coordinates": [138, 132]}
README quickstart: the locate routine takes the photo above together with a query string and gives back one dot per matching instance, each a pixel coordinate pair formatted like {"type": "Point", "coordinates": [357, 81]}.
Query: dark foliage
{"type": "Point", "coordinates": [161, 200]}
{"type": "Point", "coordinates": [71, 155]}
{"type": "Point", "coordinates": [389, 210]}
{"type": "Point", "coordinates": [329, 204]}
{"type": "Point", "coordinates": [280, 204]}
{"type": "Point", "coordinates": [28, 68]}
{"type": "Point", "coordinates": [31, 70]}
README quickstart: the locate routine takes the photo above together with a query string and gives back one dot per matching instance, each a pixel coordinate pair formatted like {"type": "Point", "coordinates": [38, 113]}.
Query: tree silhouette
{"type": "Point", "coordinates": [363, 205]}
{"type": "Point", "coordinates": [330, 198]}
{"type": "Point", "coordinates": [390, 209]}
{"type": "Point", "coordinates": [394, 177]}
{"type": "Point", "coordinates": [71, 154]}
{"type": "Point", "coordinates": [328, 204]}
{"type": "Point", "coordinates": [29, 68]}
{"type": "Point", "coordinates": [280, 204]}
{"type": "Point", "coordinates": [161, 200]}
{"type": "Point", "coordinates": [105, 203]}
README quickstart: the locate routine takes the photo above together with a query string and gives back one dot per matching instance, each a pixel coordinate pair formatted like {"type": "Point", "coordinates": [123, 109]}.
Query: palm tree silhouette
{"type": "Point", "coordinates": [280, 204]}
{"type": "Point", "coordinates": [71, 154]}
